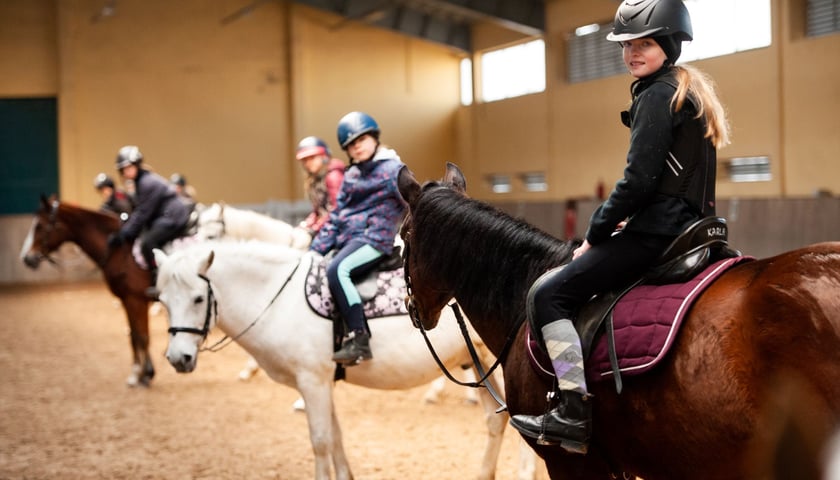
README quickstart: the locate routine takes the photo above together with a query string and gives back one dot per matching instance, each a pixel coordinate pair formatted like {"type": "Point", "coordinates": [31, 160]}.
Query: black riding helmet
{"type": "Point", "coordinates": [666, 21]}
{"type": "Point", "coordinates": [103, 180]}
{"type": "Point", "coordinates": [129, 155]}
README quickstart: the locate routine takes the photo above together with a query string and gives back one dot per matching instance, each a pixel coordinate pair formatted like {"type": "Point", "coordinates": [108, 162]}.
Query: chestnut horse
{"type": "Point", "coordinates": [700, 412]}
{"type": "Point", "coordinates": [56, 223]}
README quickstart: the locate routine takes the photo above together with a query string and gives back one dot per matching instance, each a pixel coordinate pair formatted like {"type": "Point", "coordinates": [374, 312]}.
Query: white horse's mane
{"type": "Point", "coordinates": [252, 252]}
{"type": "Point", "coordinates": [234, 223]}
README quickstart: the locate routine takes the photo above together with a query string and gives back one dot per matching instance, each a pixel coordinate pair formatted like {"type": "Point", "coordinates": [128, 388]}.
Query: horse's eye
{"type": "Point", "coordinates": [198, 299]}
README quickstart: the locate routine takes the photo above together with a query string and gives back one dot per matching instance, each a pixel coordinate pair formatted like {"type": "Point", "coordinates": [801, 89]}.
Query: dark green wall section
{"type": "Point", "coordinates": [28, 153]}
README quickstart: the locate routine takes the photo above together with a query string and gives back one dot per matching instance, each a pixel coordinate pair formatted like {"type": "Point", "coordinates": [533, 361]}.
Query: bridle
{"type": "Point", "coordinates": [52, 220]}
{"type": "Point", "coordinates": [211, 316]}
{"type": "Point", "coordinates": [220, 221]}
{"type": "Point", "coordinates": [414, 315]}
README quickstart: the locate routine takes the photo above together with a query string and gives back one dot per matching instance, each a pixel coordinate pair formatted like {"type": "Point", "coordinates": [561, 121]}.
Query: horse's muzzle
{"type": "Point", "coordinates": [32, 260]}
{"type": "Point", "coordinates": [182, 363]}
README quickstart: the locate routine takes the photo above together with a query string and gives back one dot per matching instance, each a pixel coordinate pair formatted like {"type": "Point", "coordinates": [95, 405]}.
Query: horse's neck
{"type": "Point", "coordinates": [244, 224]}
{"type": "Point", "coordinates": [87, 233]}
{"type": "Point", "coordinates": [246, 285]}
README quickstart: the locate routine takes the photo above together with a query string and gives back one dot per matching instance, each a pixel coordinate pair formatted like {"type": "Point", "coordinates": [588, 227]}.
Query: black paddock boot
{"type": "Point", "coordinates": [152, 292]}
{"type": "Point", "coordinates": [569, 424]}
{"type": "Point", "coordinates": [354, 349]}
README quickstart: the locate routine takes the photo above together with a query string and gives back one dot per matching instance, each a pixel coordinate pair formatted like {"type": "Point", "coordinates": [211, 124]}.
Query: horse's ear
{"type": "Point", "coordinates": [207, 263]}
{"type": "Point", "coordinates": [44, 201]}
{"type": "Point", "coordinates": [160, 256]}
{"type": "Point", "coordinates": [409, 188]}
{"type": "Point", "coordinates": [455, 177]}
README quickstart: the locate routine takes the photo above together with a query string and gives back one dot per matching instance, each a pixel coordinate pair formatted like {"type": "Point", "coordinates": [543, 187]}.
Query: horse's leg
{"type": "Point", "coordinates": [496, 423]}
{"type": "Point", "coordinates": [527, 462]}
{"type": "Point", "coordinates": [432, 395]}
{"type": "Point", "coordinates": [342, 466]}
{"type": "Point", "coordinates": [249, 370]}
{"type": "Point", "coordinates": [137, 312]}
{"type": "Point", "coordinates": [324, 432]}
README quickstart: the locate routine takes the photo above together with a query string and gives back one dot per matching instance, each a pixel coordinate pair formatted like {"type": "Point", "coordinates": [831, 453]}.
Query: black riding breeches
{"type": "Point", "coordinates": [604, 267]}
{"type": "Point", "coordinates": [156, 237]}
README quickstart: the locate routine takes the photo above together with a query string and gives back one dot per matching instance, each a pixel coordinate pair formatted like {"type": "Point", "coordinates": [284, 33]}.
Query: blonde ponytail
{"type": "Point", "coordinates": [702, 87]}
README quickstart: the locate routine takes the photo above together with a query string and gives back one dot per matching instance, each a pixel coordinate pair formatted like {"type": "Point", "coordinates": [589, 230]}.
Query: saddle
{"type": "Point", "coordinates": [702, 244]}
{"type": "Point", "coordinates": [382, 290]}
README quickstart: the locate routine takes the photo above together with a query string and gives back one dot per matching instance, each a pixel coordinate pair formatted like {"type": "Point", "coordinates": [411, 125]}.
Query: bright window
{"type": "Point", "coordinates": [513, 71]}
{"type": "Point", "coordinates": [722, 27]}
{"type": "Point", "coordinates": [466, 82]}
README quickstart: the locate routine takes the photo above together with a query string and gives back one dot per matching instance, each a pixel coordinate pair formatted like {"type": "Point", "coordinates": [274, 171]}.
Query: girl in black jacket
{"type": "Point", "coordinates": [676, 124]}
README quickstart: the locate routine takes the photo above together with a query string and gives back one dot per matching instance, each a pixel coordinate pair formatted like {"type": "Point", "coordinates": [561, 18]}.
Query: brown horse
{"type": "Point", "coordinates": [702, 412]}
{"type": "Point", "coordinates": [56, 223]}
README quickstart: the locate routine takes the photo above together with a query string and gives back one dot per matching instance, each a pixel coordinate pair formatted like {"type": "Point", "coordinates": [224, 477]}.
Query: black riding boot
{"type": "Point", "coordinates": [152, 291]}
{"type": "Point", "coordinates": [354, 349]}
{"type": "Point", "coordinates": [569, 424]}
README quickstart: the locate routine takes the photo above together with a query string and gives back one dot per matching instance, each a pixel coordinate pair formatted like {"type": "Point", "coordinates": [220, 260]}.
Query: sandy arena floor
{"type": "Point", "coordinates": [67, 413]}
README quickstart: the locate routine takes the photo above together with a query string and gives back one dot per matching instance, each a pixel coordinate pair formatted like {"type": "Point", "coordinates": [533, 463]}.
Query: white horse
{"type": "Point", "coordinates": [220, 221]}
{"type": "Point", "coordinates": [258, 290]}
{"type": "Point", "coordinates": [224, 222]}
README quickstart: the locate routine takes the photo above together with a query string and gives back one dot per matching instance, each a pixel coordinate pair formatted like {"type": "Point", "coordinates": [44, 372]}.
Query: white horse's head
{"type": "Point", "coordinates": [189, 299]}
{"type": "Point", "coordinates": [211, 222]}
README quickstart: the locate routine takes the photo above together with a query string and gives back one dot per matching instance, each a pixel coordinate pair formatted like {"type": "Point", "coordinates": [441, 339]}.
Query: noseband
{"type": "Point", "coordinates": [213, 313]}
{"type": "Point", "coordinates": [52, 220]}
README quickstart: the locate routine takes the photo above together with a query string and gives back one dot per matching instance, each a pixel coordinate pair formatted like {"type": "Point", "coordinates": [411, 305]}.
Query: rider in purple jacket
{"type": "Point", "coordinates": [362, 227]}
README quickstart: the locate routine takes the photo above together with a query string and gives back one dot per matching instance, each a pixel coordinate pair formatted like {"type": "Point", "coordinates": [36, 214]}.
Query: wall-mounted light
{"type": "Point", "coordinates": [534, 181]}
{"type": "Point", "coordinates": [749, 169]}
{"type": "Point", "coordinates": [499, 183]}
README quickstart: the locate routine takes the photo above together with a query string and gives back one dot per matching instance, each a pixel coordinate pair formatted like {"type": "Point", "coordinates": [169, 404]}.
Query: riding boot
{"type": "Point", "coordinates": [152, 292]}
{"type": "Point", "coordinates": [354, 349]}
{"type": "Point", "coordinates": [569, 423]}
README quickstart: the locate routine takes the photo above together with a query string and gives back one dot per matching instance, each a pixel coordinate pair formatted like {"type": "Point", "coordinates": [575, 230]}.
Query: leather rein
{"type": "Point", "coordinates": [416, 321]}
{"type": "Point", "coordinates": [212, 313]}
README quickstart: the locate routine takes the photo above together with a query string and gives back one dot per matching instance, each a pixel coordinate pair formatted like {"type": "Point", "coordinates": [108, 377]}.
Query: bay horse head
{"type": "Point", "coordinates": [425, 304]}
{"type": "Point", "coordinates": [47, 233]}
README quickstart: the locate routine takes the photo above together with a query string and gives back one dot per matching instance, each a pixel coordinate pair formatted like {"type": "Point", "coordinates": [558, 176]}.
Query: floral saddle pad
{"type": "Point", "coordinates": [383, 292]}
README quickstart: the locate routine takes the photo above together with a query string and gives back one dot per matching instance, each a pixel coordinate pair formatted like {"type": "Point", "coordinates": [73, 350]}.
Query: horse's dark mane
{"type": "Point", "coordinates": [104, 221]}
{"type": "Point", "coordinates": [483, 247]}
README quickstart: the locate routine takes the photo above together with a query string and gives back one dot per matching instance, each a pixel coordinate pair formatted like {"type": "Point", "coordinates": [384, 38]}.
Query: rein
{"type": "Point", "coordinates": [416, 321]}
{"type": "Point", "coordinates": [213, 312]}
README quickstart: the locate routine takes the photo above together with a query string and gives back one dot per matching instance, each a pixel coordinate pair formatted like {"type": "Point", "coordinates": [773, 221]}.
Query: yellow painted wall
{"type": "Point", "coordinates": [28, 49]}
{"type": "Point", "coordinates": [226, 104]}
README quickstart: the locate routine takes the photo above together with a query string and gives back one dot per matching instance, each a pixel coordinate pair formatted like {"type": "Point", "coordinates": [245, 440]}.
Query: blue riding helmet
{"type": "Point", "coordinates": [102, 180]}
{"type": "Point", "coordinates": [354, 125]}
{"type": "Point", "coordinates": [312, 146]}
{"type": "Point", "coordinates": [129, 155]}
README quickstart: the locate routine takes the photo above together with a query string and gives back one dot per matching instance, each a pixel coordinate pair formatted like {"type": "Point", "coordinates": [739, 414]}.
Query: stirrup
{"type": "Point", "coordinates": [570, 446]}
